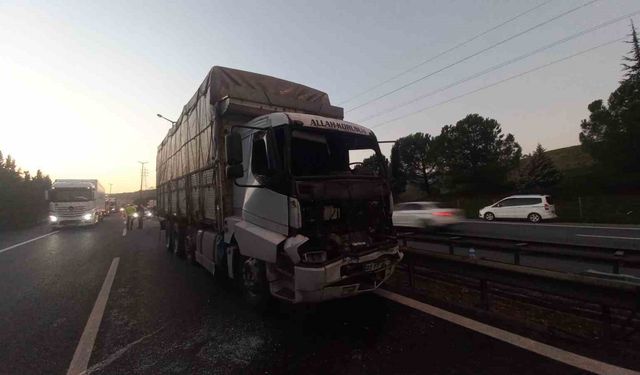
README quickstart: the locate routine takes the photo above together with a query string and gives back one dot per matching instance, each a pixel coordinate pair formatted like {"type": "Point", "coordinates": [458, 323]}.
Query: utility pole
{"type": "Point", "coordinates": [142, 163]}
{"type": "Point", "coordinates": [110, 186]}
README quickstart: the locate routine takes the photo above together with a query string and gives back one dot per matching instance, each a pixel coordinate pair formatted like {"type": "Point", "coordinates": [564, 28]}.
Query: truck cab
{"type": "Point", "coordinates": [75, 203]}
{"type": "Point", "coordinates": [319, 219]}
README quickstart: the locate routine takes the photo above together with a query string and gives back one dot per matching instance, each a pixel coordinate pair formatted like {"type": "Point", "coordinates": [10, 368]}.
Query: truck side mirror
{"type": "Point", "coordinates": [233, 148]}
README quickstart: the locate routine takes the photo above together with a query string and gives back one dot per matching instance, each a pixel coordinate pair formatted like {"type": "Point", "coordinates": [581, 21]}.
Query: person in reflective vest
{"type": "Point", "coordinates": [129, 211]}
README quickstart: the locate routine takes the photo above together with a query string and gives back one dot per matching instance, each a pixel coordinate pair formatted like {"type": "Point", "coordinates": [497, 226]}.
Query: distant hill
{"type": "Point", "coordinates": [572, 157]}
{"type": "Point", "coordinates": [126, 198]}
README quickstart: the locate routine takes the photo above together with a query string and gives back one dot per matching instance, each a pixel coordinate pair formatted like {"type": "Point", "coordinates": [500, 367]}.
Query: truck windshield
{"type": "Point", "coordinates": [317, 153]}
{"type": "Point", "coordinates": [71, 195]}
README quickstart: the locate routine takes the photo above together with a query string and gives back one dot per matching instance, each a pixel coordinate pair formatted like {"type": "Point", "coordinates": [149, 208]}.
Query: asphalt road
{"type": "Point", "coordinates": [622, 237]}
{"type": "Point", "coordinates": [164, 315]}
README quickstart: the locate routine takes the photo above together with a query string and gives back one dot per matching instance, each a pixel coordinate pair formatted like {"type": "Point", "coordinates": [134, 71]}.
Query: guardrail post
{"type": "Point", "coordinates": [618, 262]}
{"type": "Point", "coordinates": [452, 244]}
{"type": "Point", "coordinates": [410, 269]}
{"type": "Point", "coordinates": [606, 322]}
{"type": "Point", "coordinates": [484, 295]}
{"type": "Point", "coordinates": [516, 254]}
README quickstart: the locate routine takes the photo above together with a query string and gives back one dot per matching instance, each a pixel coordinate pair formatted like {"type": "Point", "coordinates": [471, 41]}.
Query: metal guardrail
{"type": "Point", "coordinates": [611, 294]}
{"type": "Point", "coordinates": [613, 257]}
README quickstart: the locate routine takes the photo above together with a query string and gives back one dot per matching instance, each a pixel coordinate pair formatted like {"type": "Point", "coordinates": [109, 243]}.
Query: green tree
{"type": "Point", "coordinates": [416, 159]}
{"type": "Point", "coordinates": [376, 163]}
{"type": "Point", "coordinates": [474, 154]}
{"type": "Point", "coordinates": [537, 171]}
{"type": "Point", "coordinates": [398, 174]}
{"type": "Point", "coordinates": [632, 64]}
{"type": "Point", "coordinates": [611, 135]}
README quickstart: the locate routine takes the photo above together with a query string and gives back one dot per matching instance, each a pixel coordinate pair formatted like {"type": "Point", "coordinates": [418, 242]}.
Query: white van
{"type": "Point", "coordinates": [534, 208]}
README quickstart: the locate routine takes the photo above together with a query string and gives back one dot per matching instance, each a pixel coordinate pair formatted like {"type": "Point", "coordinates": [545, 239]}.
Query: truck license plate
{"type": "Point", "coordinates": [374, 266]}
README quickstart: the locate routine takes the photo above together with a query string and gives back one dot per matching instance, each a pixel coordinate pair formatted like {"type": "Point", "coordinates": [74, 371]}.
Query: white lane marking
{"type": "Point", "coordinates": [613, 237]}
{"type": "Point", "coordinates": [85, 346]}
{"type": "Point", "coordinates": [26, 242]}
{"type": "Point", "coordinates": [560, 355]}
{"type": "Point", "coordinates": [548, 225]}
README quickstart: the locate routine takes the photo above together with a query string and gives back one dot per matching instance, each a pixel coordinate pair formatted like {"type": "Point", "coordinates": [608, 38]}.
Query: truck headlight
{"type": "Point", "coordinates": [86, 217]}
{"type": "Point", "coordinates": [53, 219]}
{"type": "Point", "coordinates": [135, 214]}
{"type": "Point", "coordinates": [149, 214]}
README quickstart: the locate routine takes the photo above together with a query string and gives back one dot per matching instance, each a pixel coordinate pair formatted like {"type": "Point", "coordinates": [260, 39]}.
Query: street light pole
{"type": "Point", "coordinates": [164, 118]}
{"type": "Point", "coordinates": [110, 185]}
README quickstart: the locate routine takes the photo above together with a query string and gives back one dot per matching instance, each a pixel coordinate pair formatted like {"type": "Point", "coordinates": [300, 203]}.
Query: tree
{"type": "Point", "coordinates": [538, 172]}
{"type": "Point", "coordinates": [398, 175]}
{"type": "Point", "coordinates": [416, 159]}
{"type": "Point", "coordinates": [611, 135]}
{"type": "Point", "coordinates": [474, 154]}
{"type": "Point", "coordinates": [375, 163]}
{"type": "Point", "coordinates": [633, 68]}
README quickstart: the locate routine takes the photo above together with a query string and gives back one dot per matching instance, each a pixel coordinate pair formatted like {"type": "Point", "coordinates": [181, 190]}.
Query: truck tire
{"type": "Point", "coordinates": [252, 277]}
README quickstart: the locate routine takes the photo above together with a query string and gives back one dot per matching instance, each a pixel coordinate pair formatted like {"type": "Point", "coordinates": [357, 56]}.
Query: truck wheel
{"type": "Point", "coordinates": [253, 281]}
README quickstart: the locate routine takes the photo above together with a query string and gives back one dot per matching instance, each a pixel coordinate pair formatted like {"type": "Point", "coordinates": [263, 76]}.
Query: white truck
{"type": "Point", "coordinates": [258, 180]}
{"type": "Point", "coordinates": [75, 202]}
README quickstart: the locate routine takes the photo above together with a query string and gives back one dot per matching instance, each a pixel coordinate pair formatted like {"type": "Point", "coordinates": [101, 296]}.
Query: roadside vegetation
{"type": "Point", "coordinates": [22, 200]}
{"type": "Point", "coordinates": [472, 163]}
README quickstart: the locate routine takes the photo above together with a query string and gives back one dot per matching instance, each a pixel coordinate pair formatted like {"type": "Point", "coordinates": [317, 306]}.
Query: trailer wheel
{"type": "Point", "coordinates": [253, 281]}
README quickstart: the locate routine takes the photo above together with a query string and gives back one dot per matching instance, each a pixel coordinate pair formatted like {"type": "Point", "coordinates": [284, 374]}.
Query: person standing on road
{"type": "Point", "coordinates": [140, 215]}
{"type": "Point", "coordinates": [129, 211]}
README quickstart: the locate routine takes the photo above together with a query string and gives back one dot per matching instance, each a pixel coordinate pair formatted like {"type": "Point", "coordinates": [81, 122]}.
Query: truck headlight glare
{"type": "Point", "coordinates": [53, 219]}
{"type": "Point", "coordinates": [135, 214]}
{"type": "Point", "coordinates": [86, 217]}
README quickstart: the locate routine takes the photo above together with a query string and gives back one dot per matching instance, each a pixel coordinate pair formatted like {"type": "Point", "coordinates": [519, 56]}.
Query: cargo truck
{"type": "Point", "coordinates": [259, 181]}
{"type": "Point", "coordinates": [75, 202]}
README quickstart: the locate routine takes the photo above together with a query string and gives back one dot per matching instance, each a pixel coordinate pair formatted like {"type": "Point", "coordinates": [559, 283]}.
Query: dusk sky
{"type": "Point", "coordinates": [81, 81]}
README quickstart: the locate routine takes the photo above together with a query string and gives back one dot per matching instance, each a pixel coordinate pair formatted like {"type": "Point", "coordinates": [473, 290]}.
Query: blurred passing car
{"type": "Point", "coordinates": [425, 215]}
{"type": "Point", "coordinates": [534, 208]}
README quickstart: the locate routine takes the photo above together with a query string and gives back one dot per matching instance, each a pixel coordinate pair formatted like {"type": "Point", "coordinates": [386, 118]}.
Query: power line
{"type": "Point", "coordinates": [445, 52]}
{"type": "Point", "coordinates": [474, 54]}
{"type": "Point", "coordinates": [499, 82]}
{"type": "Point", "coordinates": [505, 63]}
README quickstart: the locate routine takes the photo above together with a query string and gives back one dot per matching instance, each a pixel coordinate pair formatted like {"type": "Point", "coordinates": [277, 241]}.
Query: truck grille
{"type": "Point", "coordinates": [69, 211]}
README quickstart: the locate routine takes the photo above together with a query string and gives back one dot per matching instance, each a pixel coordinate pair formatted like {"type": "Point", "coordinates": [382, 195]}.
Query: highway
{"type": "Point", "coordinates": [127, 306]}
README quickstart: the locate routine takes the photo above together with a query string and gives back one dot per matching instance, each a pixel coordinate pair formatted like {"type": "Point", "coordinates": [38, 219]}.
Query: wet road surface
{"type": "Point", "coordinates": [166, 316]}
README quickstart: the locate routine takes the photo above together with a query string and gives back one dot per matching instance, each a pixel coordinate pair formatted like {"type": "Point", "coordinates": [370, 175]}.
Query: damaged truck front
{"type": "Point", "coordinates": [271, 196]}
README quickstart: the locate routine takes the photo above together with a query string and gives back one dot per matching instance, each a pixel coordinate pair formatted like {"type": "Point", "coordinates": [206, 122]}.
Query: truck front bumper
{"type": "Point", "coordinates": [346, 277]}
{"type": "Point", "coordinates": [72, 221]}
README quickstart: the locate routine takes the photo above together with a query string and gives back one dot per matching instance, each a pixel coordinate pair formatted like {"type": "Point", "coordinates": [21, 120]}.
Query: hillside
{"type": "Point", "coordinates": [572, 157]}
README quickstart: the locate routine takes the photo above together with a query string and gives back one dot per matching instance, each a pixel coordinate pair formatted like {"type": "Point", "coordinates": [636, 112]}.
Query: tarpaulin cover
{"type": "Point", "coordinates": [190, 148]}
{"type": "Point", "coordinates": [189, 145]}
